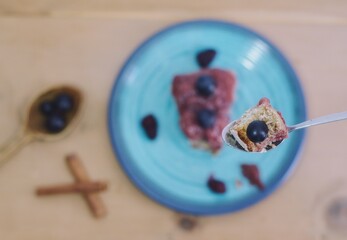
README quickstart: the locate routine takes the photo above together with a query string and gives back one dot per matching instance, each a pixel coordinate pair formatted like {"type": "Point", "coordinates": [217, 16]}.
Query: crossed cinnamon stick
{"type": "Point", "coordinates": [89, 189]}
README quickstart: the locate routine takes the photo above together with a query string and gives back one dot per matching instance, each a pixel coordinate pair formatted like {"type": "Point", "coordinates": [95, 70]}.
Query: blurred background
{"type": "Point", "coordinates": [85, 43]}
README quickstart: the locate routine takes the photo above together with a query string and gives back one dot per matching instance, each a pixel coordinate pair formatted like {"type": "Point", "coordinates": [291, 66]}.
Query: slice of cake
{"type": "Point", "coordinates": [259, 129]}
{"type": "Point", "coordinates": [203, 99]}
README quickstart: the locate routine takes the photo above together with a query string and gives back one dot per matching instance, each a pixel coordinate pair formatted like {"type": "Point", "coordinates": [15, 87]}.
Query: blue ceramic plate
{"type": "Point", "coordinates": [168, 169]}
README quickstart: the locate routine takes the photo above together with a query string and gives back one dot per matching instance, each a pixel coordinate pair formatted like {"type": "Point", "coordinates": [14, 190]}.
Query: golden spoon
{"type": "Point", "coordinates": [34, 128]}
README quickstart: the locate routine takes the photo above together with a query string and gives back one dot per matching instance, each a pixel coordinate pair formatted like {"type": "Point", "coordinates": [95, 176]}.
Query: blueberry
{"type": "Point", "coordinates": [150, 125]}
{"type": "Point", "coordinates": [55, 123]}
{"type": "Point", "coordinates": [206, 118]}
{"type": "Point", "coordinates": [64, 102]}
{"type": "Point", "coordinates": [216, 186]}
{"type": "Point", "coordinates": [257, 131]}
{"type": "Point", "coordinates": [46, 108]}
{"type": "Point", "coordinates": [205, 85]}
{"type": "Point", "coordinates": [205, 57]}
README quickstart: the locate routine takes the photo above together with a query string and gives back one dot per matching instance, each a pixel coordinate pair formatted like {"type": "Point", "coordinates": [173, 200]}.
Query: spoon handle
{"type": "Point", "coordinates": [12, 146]}
{"type": "Point", "coordinates": [320, 120]}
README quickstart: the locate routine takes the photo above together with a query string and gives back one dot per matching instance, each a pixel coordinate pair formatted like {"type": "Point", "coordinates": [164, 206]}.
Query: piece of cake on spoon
{"type": "Point", "coordinates": [259, 129]}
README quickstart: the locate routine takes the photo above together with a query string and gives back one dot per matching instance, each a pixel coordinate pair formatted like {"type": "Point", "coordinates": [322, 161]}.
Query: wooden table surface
{"type": "Point", "coordinates": [84, 43]}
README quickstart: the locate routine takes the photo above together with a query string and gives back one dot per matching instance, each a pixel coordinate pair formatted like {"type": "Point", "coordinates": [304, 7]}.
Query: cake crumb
{"type": "Point", "coordinates": [238, 183]}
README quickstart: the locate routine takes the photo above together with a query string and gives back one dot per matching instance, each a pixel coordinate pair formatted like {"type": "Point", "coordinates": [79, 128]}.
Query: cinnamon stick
{"type": "Point", "coordinates": [93, 199]}
{"type": "Point", "coordinates": [82, 187]}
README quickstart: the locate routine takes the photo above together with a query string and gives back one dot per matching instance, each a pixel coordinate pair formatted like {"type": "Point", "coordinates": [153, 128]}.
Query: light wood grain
{"type": "Point", "coordinates": [39, 52]}
{"type": "Point", "coordinates": [47, 7]}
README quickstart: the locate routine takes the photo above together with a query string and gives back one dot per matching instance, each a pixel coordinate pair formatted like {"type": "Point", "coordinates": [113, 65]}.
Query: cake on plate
{"type": "Point", "coordinates": [203, 99]}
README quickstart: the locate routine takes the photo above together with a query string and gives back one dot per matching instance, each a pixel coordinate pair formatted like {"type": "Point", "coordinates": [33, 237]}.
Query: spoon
{"type": "Point", "coordinates": [33, 127]}
{"type": "Point", "coordinates": [309, 123]}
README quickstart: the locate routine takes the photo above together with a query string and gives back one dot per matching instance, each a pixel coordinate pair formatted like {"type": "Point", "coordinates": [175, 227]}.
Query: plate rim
{"type": "Point", "coordinates": [121, 159]}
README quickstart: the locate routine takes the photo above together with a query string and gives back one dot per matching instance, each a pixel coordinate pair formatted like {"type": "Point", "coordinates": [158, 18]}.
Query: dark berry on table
{"type": "Point", "coordinates": [46, 108]}
{"type": "Point", "coordinates": [257, 131]}
{"type": "Point", "coordinates": [251, 172]}
{"type": "Point", "coordinates": [206, 118]}
{"type": "Point", "coordinates": [205, 57]}
{"type": "Point", "coordinates": [55, 123]}
{"type": "Point", "coordinates": [187, 223]}
{"type": "Point", "coordinates": [64, 102]}
{"type": "Point", "coordinates": [150, 125]}
{"type": "Point", "coordinates": [215, 185]}
{"type": "Point", "coordinates": [205, 85]}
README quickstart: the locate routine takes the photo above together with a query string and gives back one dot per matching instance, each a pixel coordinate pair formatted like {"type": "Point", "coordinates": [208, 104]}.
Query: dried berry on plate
{"type": "Point", "coordinates": [150, 125]}
{"type": "Point", "coordinates": [251, 172]}
{"type": "Point", "coordinates": [216, 186]}
{"type": "Point", "coordinates": [205, 57]}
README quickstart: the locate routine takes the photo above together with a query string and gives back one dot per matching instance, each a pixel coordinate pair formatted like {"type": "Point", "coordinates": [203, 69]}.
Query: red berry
{"type": "Point", "coordinates": [216, 185]}
{"type": "Point", "coordinates": [251, 172]}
